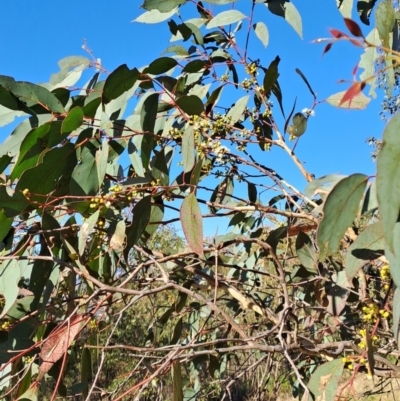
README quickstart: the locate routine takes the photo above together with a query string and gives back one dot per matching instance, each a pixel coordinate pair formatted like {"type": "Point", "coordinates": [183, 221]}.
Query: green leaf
{"type": "Point", "coordinates": [71, 69]}
{"type": "Point", "coordinates": [177, 379]}
{"type": "Point", "coordinates": [154, 16]}
{"type": "Point", "coordinates": [5, 225]}
{"type": "Point", "coordinates": [306, 252]}
{"type": "Point", "coordinates": [177, 49]}
{"type": "Point", "coordinates": [86, 229]}
{"type": "Point", "coordinates": [388, 170]}
{"type": "Point", "coordinates": [345, 7]}
{"type": "Point", "coordinates": [160, 66]}
{"type": "Point", "coordinates": [32, 95]}
{"type": "Point", "coordinates": [192, 223]}
{"type": "Point", "coordinates": [287, 10]}
{"type": "Point", "coordinates": [10, 275]}
{"type": "Point", "coordinates": [163, 6]}
{"type": "Point", "coordinates": [369, 245]}
{"type": "Point", "coordinates": [148, 113]}
{"type": "Point", "coordinates": [73, 120]}
{"type": "Point", "coordinates": [101, 161]}
{"type": "Point", "coordinates": [271, 76]}
{"type": "Point", "coordinates": [261, 31]}
{"type": "Point", "coordinates": [384, 20]}
{"type": "Point", "coordinates": [140, 220]}
{"type": "Point", "coordinates": [191, 105]}
{"type": "Point", "coordinates": [367, 61]}
{"type": "Point", "coordinates": [340, 209]}
{"type": "Point", "coordinates": [160, 165]}
{"type": "Point", "coordinates": [12, 143]}
{"type": "Point", "coordinates": [236, 112]}
{"type": "Point", "coordinates": [364, 8]}
{"type": "Point", "coordinates": [119, 81]}
{"type": "Point", "coordinates": [324, 382]}
{"type": "Point", "coordinates": [86, 370]}
{"type": "Point", "coordinates": [252, 191]}
{"type": "Point", "coordinates": [84, 178]}
{"type": "Point", "coordinates": [225, 18]}
{"type": "Point", "coordinates": [322, 185]}
{"type": "Point", "coordinates": [195, 66]}
{"type": "Point", "coordinates": [45, 178]}
{"type": "Point", "coordinates": [188, 149]}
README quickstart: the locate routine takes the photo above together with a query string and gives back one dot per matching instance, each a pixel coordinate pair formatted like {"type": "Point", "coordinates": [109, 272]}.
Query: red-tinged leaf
{"type": "Point", "coordinates": [355, 70]}
{"type": "Point", "coordinates": [192, 223]}
{"type": "Point", "coordinates": [58, 342]}
{"type": "Point", "coordinates": [327, 48]}
{"type": "Point", "coordinates": [356, 42]}
{"type": "Point", "coordinates": [352, 92]}
{"type": "Point", "coordinates": [337, 34]}
{"type": "Point", "coordinates": [353, 27]}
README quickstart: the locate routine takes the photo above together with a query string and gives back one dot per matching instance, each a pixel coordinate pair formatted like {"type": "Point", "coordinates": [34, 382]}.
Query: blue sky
{"type": "Point", "coordinates": [35, 35]}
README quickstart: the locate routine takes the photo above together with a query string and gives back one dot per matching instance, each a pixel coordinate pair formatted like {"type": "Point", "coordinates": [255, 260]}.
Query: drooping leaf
{"type": "Point", "coordinates": [261, 31]}
{"type": "Point", "coordinates": [192, 223]}
{"type": "Point", "coordinates": [369, 245]}
{"type": "Point", "coordinates": [271, 76]}
{"type": "Point", "coordinates": [85, 177]}
{"type": "Point", "coordinates": [101, 161]}
{"type": "Point", "coordinates": [10, 276]}
{"type": "Point", "coordinates": [87, 229]}
{"type": "Point", "coordinates": [225, 18]}
{"type": "Point", "coordinates": [252, 191]}
{"type": "Point", "coordinates": [306, 252]}
{"type": "Point", "coordinates": [140, 220]}
{"type": "Point", "coordinates": [188, 149]}
{"type": "Point", "coordinates": [367, 61]}
{"type": "Point", "coordinates": [306, 82]}
{"type": "Point", "coordinates": [353, 27]}
{"type": "Point", "coordinates": [340, 209]}
{"type": "Point", "coordinates": [148, 113]}
{"type": "Point", "coordinates": [58, 342]}
{"type": "Point", "coordinates": [384, 20]}
{"type": "Point", "coordinates": [287, 10]}
{"type": "Point", "coordinates": [388, 169]}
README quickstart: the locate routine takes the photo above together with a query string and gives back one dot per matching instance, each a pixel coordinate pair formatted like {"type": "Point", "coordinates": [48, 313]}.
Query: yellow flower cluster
{"type": "Point", "coordinates": [5, 325]}
{"type": "Point", "coordinates": [350, 362]}
{"type": "Point", "coordinates": [371, 313]}
{"type": "Point", "coordinates": [363, 342]}
{"type": "Point", "coordinates": [385, 276]}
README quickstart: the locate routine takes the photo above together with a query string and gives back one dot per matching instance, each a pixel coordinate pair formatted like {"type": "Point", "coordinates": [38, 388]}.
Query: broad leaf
{"type": "Point", "coordinates": [324, 382]}
{"type": "Point", "coordinates": [287, 10]}
{"type": "Point", "coordinates": [369, 245]}
{"type": "Point", "coordinates": [192, 223]}
{"type": "Point", "coordinates": [118, 82]}
{"type": "Point", "coordinates": [388, 191]}
{"type": "Point", "coordinates": [340, 210]}
{"type": "Point", "coordinates": [225, 18]}
{"type": "Point", "coordinates": [188, 149]}
{"type": "Point", "coordinates": [73, 120]}
{"type": "Point", "coordinates": [191, 105]}
{"type": "Point", "coordinates": [235, 113]}
{"type": "Point", "coordinates": [261, 31]}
